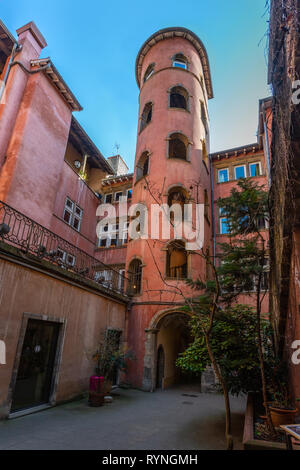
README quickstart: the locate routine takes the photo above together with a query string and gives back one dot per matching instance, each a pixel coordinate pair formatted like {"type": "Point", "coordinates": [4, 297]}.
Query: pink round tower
{"type": "Point", "coordinates": [171, 166]}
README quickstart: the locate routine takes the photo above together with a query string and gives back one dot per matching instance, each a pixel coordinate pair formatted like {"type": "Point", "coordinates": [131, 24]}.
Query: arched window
{"type": "Point", "coordinates": [179, 60]}
{"type": "Point", "coordinates": [142, 168]}
{"type": "Point", "coordinates": [179, 98]}
{"type": "Point", "coordinates": [146, 116]}
{"type": "Point", "coordinates": [177, 260]}
{"type": "Point", "coordinates": [177, 196]}
{"type": "Point", "coordinates": [178, 146]}
{"type": "Point", "coordinates": [149, 72]}
{"type": "Point", "coordinates": [134, 276]}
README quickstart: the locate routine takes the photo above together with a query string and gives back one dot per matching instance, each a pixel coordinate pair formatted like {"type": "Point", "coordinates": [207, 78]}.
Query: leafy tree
{"type": "Point", "coordinates": [234, 345]}
{"type": "Point", "coordinates": [240, 267]}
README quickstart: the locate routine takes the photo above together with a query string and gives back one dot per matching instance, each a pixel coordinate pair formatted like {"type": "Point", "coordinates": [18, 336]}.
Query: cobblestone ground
{"type": "Point", "coordinates": [177, 419]}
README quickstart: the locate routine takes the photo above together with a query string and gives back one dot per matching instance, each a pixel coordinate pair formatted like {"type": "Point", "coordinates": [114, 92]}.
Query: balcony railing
{"type": "Point", "coordinates": [30, 237]}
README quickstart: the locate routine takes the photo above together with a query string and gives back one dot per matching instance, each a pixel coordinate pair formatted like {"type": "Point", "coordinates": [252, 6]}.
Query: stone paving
{"type": "Point", "coordinates": [177, 419]}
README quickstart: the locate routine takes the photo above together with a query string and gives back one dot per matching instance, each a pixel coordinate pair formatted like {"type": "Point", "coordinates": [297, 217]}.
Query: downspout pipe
{"type": "Point", "coordinates": [16, 48]}
{"type": "Point", "coordinates": [212, 209]}
{"type": "Point", "coordinates": [267, 143]}
{"type": "Point", "coordinates": [12, 63]}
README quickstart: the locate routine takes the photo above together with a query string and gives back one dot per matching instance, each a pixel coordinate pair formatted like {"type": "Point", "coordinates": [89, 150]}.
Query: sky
{"type": "Point", "coordinates": [94, 44]}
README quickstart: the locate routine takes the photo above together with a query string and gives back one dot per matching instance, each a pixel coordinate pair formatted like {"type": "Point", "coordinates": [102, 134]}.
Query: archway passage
{"type": "Point", "coordinates": [173, 337]}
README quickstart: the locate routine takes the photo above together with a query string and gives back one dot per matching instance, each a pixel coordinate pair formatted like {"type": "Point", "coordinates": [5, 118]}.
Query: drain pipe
{"type": "Point", "coordinates": [15, 49]}
{"type": "Point", "coordinates": [267, 143]}
{"type": "Point", "coordinates": [212, 209]}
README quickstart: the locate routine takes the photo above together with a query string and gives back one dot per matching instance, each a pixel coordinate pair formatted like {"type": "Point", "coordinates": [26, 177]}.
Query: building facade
{"type": "Point", "coordinates": [63, 281]}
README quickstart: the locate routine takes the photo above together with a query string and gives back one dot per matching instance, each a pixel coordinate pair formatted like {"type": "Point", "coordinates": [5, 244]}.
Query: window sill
{"type": "Point", "coordinates": [178, 159]}
{"type": "Point", "coordinates": [179, 109]}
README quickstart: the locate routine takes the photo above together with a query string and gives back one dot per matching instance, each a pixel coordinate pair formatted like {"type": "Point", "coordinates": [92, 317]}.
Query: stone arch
{"type": "Point", "coordinates": [151, 344]}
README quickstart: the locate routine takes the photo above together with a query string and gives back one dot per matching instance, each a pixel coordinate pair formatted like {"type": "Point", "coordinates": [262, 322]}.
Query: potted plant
{"type": "Point", "coordinates": [109, 358]}
{"type": "Point", "coordinates": [282, 407]}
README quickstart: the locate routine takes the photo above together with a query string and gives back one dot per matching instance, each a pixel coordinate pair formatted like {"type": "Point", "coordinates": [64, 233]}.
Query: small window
{"type": "Point", "coordinates": [261, 223]}
{"type": "Point", "coordinates": [255, 169]}
{"type": "Point", "coordinates": [129, 194]}
{"type": "Point", "coordinates": [203, 117]}
{"type": "Point", "coordinates": [146, 116]}
{"type": "Point", "coordinates": [240, 172]}
{"type": "Point", "coordinates": [134, 276]}
{"type": "Point", "coordinates": [142, 168]}
{"type": "Point", "coordinates": [180, 61]}
{"type": "Point", "coordinates": [176, 267]}
{"type": "Point", "coordinates": [118, 195]}
{"type": "Point", "coordinates": [178, 146]}
{"type": "Point", "coordinates": [179, 98]}
{"type": "Point", "coordinates": [224, 229]}
{"type": "Point", "coordinates": [149, 72]}
{"type": "Point", "coordinates": [72, 214]}
{"type": "Point", "coordinates": [108, 198]}
{"type": "Point", "coordinates": [223, 175]}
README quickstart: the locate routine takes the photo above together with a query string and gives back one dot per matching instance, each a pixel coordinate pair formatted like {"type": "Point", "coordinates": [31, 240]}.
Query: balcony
{"type": "Point", "coordinates": [32, 238]}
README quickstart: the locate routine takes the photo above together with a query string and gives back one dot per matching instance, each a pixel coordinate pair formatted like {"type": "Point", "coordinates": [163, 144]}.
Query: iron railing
{"type": "Point", "coordinates": [30, 237]}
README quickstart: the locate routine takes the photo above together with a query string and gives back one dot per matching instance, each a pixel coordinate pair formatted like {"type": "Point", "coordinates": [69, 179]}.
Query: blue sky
{"type": "Point", "coordinates": [94, 44]}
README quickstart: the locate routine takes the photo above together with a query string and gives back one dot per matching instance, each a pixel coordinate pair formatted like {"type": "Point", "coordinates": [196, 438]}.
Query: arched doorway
{"type": "Point", "coordinates": [173, 336]}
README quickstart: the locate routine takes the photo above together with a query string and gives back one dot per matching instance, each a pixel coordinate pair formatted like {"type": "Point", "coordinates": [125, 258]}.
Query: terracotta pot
{"type": "Point", "coordinates": [282, 417]}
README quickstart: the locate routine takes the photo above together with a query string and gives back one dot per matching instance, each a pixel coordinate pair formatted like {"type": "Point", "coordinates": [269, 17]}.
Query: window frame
{"type": "Point", "coordinates": [75, 213]}
{"type": "Point", "coordinates": [223, 169]}
{"type": "Point", "coordinates": [105, 197]}
{"type": "Point", "coordinates": [245, 171]}
{"type": "Point", "coordinates": [127, 191]}
{"type": "Point", "coordinates": [260, 169]}
{"type": "Point", "coordinates": [115, 195]}
{"type": "Point", "coordinates": [221, 226]}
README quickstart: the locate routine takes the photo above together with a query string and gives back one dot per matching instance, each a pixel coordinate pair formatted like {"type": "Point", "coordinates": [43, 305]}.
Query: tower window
{"type": "Point", "coordinates": [146, 116]}
{"type": "Point", "coordinates": [179, 98]}
{"type": "Point", "coordinates": [176, 260]}
{"type": "Point", "coordinates": [179, 60]}
{"type": "Point", "coordinates": [149, 72]}
{"type": "Point", "coordinates": [134, 276]}
{"type": "Point", "coordinates": [178, 146]}
{"type": "Point", "coordinates": [205, 154]}
{"type": "Point", "coordinates": [177, 196]}
{"type": "Point", "coordinates": [142, 168]}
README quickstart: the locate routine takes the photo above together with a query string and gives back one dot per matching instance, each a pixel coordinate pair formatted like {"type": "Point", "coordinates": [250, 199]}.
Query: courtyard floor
{"type": "Point", "coordinates": [176, 419]}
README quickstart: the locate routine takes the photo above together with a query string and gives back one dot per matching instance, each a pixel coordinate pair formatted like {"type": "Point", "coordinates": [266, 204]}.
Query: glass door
{"type": "Point", "coordinates": [35, 373]}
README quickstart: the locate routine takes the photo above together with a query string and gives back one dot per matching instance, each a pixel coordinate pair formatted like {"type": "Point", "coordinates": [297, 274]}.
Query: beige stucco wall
{"type": "Point", "coordinates": [23, 290]}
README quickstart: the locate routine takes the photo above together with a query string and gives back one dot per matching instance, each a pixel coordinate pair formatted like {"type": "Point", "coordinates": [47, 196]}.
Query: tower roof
{"type": "Point", "coordinates": [168, 33]}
